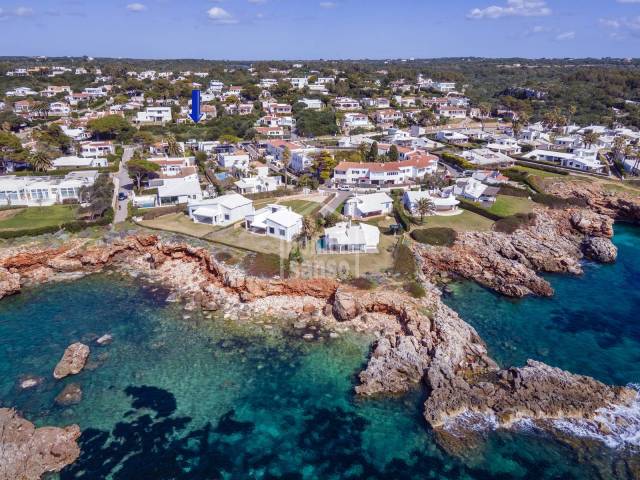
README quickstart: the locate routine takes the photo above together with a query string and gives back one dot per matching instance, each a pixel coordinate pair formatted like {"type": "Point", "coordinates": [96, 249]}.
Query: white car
{"type": "Point", "coordinates": [344, 188]}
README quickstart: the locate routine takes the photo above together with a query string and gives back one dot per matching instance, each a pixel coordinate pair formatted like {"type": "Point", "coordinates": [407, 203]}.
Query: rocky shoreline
{"type": "Point", "coordinates": [418, 340]}
{"type": "Point", "coordinates": [556, 242]}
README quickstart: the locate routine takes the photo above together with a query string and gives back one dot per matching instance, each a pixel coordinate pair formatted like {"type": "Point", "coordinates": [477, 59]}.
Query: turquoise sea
{"type": "Point", "coordinates": [207, 398]}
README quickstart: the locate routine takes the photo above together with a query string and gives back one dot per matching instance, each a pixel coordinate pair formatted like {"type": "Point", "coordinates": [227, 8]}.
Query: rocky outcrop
{"type": "Point", "coordinates": [9, 283]}
{"type": "Point", "coordinates": [27, 453]}
{"type": "Point", "coordinates": [509, 263]}
{"type": "Point", "coordinates": [73, 360]}
{"type": "Point", "coordinates": [535, 392]}
{"type": "Point", "coordinates": [620, 204]}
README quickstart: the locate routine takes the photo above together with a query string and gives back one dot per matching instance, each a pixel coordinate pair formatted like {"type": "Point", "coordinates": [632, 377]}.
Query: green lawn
{"type": "Point", "coordinates": [537, 172]}
{"type": "Point", "coordinates": [303, 207]}
{"type": "Point", "coordinates": [465, 222]}
{"type": "Point", "coordinates": [37, 217]}
{"type": "Point", "coordinates": [179, 223]}
{"type": "Point", "coordinates": [507, 205]}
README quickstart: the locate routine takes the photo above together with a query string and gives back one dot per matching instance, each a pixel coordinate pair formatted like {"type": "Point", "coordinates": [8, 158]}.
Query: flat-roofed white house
{"type": "Point", "coordinates": [223, 210]}
{"type": "Point", "coordinates": [79, 162]}
{"type": "Point", "coordinates": [178, 180]}
{"type": "Point", "coordinates": [44, 191]}
{"type": "Point", "coordinates": [154, 115]}
{"type": "Point", "coordinates": [96, 149]}
{"type": "Point", "coordinates": [581, 158]}
{"type": "Point", "coordinates": [507, 145]}
{"type": "Point", "coordinates": [347, 237]}
{"type": "Point", "coordinates": [485, 156]}
{"type": "Point", "coordinates": [442, 202]}
{"type": "Point", "coordinates": [278, 221]}
{"type": "Point", "coordinates": [238, 160]}
{"type": "Point", "coordinates": [258, 184]}
{"type": "Point", "coordinates": [370, 205]}
{"type": "Point", "coordinates": [452, 137]}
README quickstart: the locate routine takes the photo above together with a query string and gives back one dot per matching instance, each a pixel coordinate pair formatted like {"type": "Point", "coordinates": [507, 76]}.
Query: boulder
{"type": "Point", "coordinates": [600, 249]}
{"type": "Point", "coordinates": [345, 306]}
{"type": "Point", "coordinates": [73, 360]}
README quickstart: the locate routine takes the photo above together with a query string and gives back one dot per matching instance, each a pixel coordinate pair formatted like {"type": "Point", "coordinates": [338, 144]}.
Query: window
{"type": "Point", "coordinates": [282, 232]}
{"type": "Point", "coordinates": [272, 230]}
{"type": "Point", "coordinates": [227, 216]}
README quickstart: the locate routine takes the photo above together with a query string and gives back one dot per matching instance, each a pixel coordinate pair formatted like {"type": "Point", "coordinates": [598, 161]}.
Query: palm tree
{"type": "Point", "coordinates": [589, 138]}
{"type": "Point", "coordinates": [618, 147]}
{"type": "Point", "coordinates": [425, 206]}
{"type": "Point", "coordinates": [173, 147]}
{"type": "Point", "coordinates": [40, 161]}
{"type": "Point", "coordinates": [309, 226]}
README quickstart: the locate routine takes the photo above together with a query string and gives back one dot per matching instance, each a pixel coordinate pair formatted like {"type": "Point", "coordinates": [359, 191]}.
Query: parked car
{"type": "Point", "coordinates": [122, 196]}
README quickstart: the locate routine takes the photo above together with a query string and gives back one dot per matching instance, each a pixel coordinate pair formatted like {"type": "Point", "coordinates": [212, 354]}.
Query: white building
{"type": "Point", "coordinates": [581, 159]}
{"type": "Point", "coordinates": [474, 190]}
{"type": "Point", "coordinates": [442, 202]}
{"type": "Point", "coordinates": [484, 156]}
{"type": "Point", "coordinates": [276, 221]}
{"type": "Point", "coordinates": [356, 120]}
{"type": "Point", "coordinates": [238, 160]}
{"type": "Point", "coordinates": [178, 181]}
{"type": "Point", "coordinates": [450, 136]}
{"type": "Point", "coordinates": [371, 205]}
{"type": "Point", "coordinates": [79, 162]}
{"type": "Point", "coordinates": [155, 115]}
{"type": "Point", "coordinates": [385, 174]}
{"type": "Point", "coordinates": [44, 191]}
{"type": "Point", "coordinates": [223, 210]}
{"type": "Point", "coordinates": [312, 103]}
{"type": "Point", "coordinates": [258, 184]}
{"type": "Point", "coordinates": [347, 237]}
{"type": "Point", "coordinates": [507, 145]}
{"type": "Point", "coordinates": [96, 149]}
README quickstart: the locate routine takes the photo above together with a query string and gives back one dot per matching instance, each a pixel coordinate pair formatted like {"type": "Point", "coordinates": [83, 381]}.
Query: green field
{"type": "Point", "coordinates": [507, 205]}
{"type": "Point", "coordinates": [465, 222]}
{"type": "Point", "coordinates": [37, 217]}
{"type": "Point", "coordinates": [303, 207]}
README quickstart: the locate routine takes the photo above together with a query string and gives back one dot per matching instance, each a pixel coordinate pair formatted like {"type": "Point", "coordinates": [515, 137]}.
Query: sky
{"type": "Point", "coordinates": [320, 29]}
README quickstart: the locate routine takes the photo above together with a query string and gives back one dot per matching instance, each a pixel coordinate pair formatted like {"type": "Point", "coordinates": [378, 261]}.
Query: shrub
{"type": "Point", "coordinates": [514, 222]}
{"type": "Point", "coordinates": [512, 191]}
{"type": "Point", "coordinates": [438, 236]}
{"type": "Point", "coordinates": [362, 283]}
{"type": "Point", "coordinates": [475, 208]}
{"type": "Point", "coordinates": [403, 261]}
{"type": "Point", "coordinates": [415, 289]}
{"type": "Point", "coordinates": [457, 160]}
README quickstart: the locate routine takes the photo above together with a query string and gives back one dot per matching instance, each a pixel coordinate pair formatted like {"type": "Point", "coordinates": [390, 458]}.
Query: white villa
{"type": "Point", "coordinates": [452, 137]}
{"type": "Point", "coordinates": [389, 173]}
{"type": "Point", "coordinates": [44, 191]}
{"type": "Point", "coordinates": [96, 149]}
{"type": "Point", "coordinates": [371, 205]}
{"type": "Point", "coordinates": [239, 160]}
{"type": "Point", "coordinates": [581, 159]}
{"type": "Point", "coordinates": [442, 202]}
{"type": "Point", "coordinates": [485, 156]}
{"type": "Point", "coordinates": [258, 183]}
{"type": "Point", "coordinates": [506, 145]}
{"type": "Point", "coordinates": [475, 190]}
{"type": "Point", "coordinates": [78, 162]}
{"type": "Point", "coordinates": [154, 115]}
{"type": "Point", "coordinates": [276, 221]}
{"type": "Point", "coordinates": [223, 210]}
{"type": "Point", "coordinates": [178, 181]}
{"type": "Point", "coordinates": [347, 237]}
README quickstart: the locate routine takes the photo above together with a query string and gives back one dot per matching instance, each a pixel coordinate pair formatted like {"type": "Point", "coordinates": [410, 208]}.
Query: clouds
{"type": "Point", "coordinates": [513, 8]}
{"type": "Point", "coordinates": [328, 5]}
{"type": "Point", "coordinates": [623, 27]}
{"type": "Point", "coordinates": [136, 7]}
{"type": "Point", "coordinates": [20, 11]}
{"type": "Point", "coordinates": [564, 36]}
{"type": "Point", "coordinates": [628, 1]}
{"type": "Point", "coordinates": [220, 16]}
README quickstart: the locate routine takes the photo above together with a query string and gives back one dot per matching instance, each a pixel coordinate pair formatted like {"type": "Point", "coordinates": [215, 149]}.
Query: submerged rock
{"type": "Point", "coordinates": [70, 395]}
{"type": "Point", "coordinates": [30, 382]}
{"type": "Point", "coordinates": [105, 339]}
{"type": "Point", "coordinates": [28, 453]}
{"type": "Point", "coordinates": [73, 360]}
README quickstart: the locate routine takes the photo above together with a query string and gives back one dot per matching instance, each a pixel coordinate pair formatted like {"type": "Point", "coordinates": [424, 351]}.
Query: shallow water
{"type": "Point", "coordinates": [196, 398]}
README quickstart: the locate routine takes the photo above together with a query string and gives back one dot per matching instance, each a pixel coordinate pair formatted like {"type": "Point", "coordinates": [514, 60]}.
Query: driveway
{"type": "Point", "coordinates": [126, 186]}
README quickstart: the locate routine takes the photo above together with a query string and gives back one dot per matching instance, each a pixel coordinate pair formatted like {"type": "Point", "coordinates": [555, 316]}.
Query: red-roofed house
{"type": "Point", "coordinates": [390, 173]}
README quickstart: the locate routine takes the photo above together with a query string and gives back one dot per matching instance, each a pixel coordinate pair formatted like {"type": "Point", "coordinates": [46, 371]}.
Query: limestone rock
{"type": "Point", "coordinates": [9, 283]}
{"type": "Point", "coordinates": [28, 452]}
{"type": "Point", "coordinates": [345, 306]}
{"type": "Point", "coordinates": [73, 360]}
{"type": "Point", "coordinates": [600, 249]}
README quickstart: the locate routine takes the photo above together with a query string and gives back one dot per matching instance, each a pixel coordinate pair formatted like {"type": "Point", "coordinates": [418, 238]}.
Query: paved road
{"type": "Point", "coordinates": [126, 186]}
{"type": "Point", "coordinates": [335, 202]}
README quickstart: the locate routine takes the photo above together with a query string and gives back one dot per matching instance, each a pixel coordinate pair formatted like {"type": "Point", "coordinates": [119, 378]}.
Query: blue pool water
{"type": "Point", "coordinates": [176, 398]}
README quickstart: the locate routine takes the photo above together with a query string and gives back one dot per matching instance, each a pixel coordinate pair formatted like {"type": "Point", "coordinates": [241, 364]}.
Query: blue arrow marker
{"type": "Point", "coordinates": [195, 114]}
